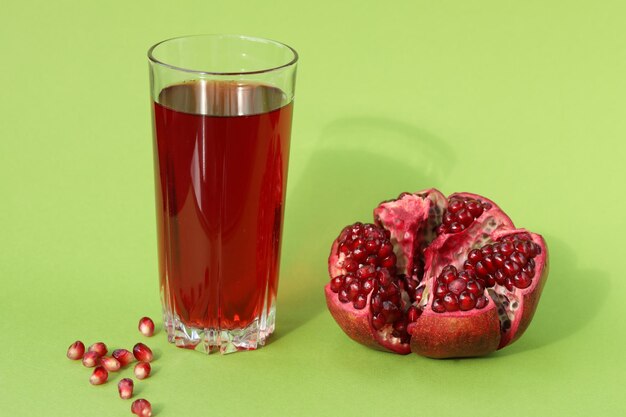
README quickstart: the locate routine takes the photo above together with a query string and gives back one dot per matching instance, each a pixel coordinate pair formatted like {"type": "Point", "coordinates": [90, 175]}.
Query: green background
{"type": "Point", "coordinates": [523, 102]}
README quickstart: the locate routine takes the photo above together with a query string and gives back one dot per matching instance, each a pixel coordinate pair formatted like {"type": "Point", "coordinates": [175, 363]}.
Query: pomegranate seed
{"type": "Point", "coordinates": [498, 260]}
{"type": "Point", "coordinates": [386, 249]}
{"type": "Point", "coordinates": [349, 279]}
{"type": "Point", "coordinates": [456, 227]}
{"type": "Point", "coordinates": [359, 253]}
{"type": "Point", "coordinates": [508, 284]}
{"type": "Point", "coordinates": [76, 350]}
{"type": "Point", "coordinates": [465, 217]}
{"type": "Point", "coordinates": [455, 205]}
{"type": "Point", "coordinates": [353, 291]}
{"type": "Point", "coordinates": [475, 288]}
{"type": "Point", "coordinates": [141, 408]}
{"type": "Point", "coordinates": [125, 388]}
{"type": "Point", "coordinates": [142, 370]}
{"type": "Point", "coordinates": [474, 256]}
{"type": "Point", "coordinates": [489, 264]}
{"type": "Point", "coordinates": [467, 301]}
{"type": "Point", "coordinates": [486, 250]}
{"type": "Point", "coordinates": [506, 248]}
{"type": "Point", "coordinates": [372, 246]}
{"type": "Point", "coordinates": [481, 302]}
{"type": "Point", "coordinates": [123, 356]}
{"type": "Point", "coordinates": [448, 274]}
{"type": "Point", "coordinates": [490, 281]}
{"type": "Point", "coordinates": [389, 261]}
{"type": "Point", "coordinates": [441, 289]}
{"type": "Point", "coordinates": [413, 313]}
{"type": "Point", "coordinates": [365, 272]}
{"type": "Point", "coordinates": [378, 321]}
{"type": "Point", "coordinates": [510, 268]}
{"type": "Point", "coordinates": [438, 306]}
{"type": "Point", "coordinates": [529, 270]}
{"type": "Point", "coordinates": [518, 258]}
{"type": "Point", "coordinates": [146, 326]}
{"type": "Point", "coordinates": [99, 376]}
{"type": "Point", "coordinates": [142, 353]}
{"type": "Point", "coordinates": [336, 284]}
{"type": "Point", "coordinates": [522, 280]}
{"type": "Point", "coordinates": [475, 208]}
{"type": "Point", "coordinates": [457, 286]}
{"type": "Point", "coordinates": [480, 269]}
{"type": "Point", "coordinates": [360, 302]}
{"type": "Point", "coordinates": [110, 364]}
{"type": "Point", "coordinates": [384, 277]}
{"type": "Point", "coordinates": [343, 296]}
{"type": "Point", "coordinates": [100, 348]}
{"type": "Point", "coordinates": [351, 265]}
{"type": "Point", "coordinates": [451, 302]}
{"type": "Point", "coordinates": [367, 287]}
{"type": "Point", "coordinates": [376, 303]}
{"type": "Point", "coordinates": [91, 359]}
{"type": "Point", "coordinates": [371, 260]}
{"type": "Point", "coordinates": [500, 277]}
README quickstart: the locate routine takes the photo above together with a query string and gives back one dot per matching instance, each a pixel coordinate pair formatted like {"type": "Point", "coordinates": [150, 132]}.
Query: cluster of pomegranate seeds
{"type": "Point", "coordinates": [460, 214]}
{"type": "Point", "coordinates": [508, 262]}
{"type": "Point", "coordinates": [366, 254]}
{"type": "Point", "coordinates": [95, 357]}
{"type": "Point", "coordinates": [456, 290]}
{"type": "Point", "coordinates": [367, 257]}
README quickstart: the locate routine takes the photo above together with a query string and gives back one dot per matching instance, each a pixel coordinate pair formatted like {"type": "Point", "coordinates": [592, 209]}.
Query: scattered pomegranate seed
{"type": "Point", "coordinates": [76, 350]}
{"type": "Point", "coordinates": [142, 352]}
{"type": "Point", "coordinates": [146, 326]}
{"type": "Point", "coordinates": [142, 370]}
{"type": "Point", "coordinates": [123, 356]}
{"type": "Point", "coordinates": [125, 388]}
{"type": "Point", "coordinates": [100, 348]}
{"type": "Point", "coordinates": [91, 359]}
{"type": "Point", "coordinates": [141, 408]}
{"type": "Point", "coordinates": [99, 376]}
{"type": "Point", "coordinates": [110, 364]}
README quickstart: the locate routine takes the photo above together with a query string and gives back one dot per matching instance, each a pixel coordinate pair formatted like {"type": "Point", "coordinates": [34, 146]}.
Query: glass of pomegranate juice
{"type": "Point", "coordinates": [222, 107]}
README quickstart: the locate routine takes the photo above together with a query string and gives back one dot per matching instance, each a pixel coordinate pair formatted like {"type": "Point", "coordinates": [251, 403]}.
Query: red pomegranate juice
{"type": "Point", "coordinates": [221, 153]}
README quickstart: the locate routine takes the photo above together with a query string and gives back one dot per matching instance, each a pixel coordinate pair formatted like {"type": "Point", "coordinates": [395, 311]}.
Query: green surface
{"type": "Point", "coordinates": [523, 102]}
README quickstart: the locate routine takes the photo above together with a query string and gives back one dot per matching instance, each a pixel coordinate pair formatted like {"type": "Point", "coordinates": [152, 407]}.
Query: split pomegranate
{"type": "Point", "coordinates": [442, 277]}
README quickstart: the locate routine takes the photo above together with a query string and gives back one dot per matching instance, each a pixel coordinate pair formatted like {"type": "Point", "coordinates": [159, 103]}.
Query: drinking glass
{"type": "Point", "coordinates": [222, 108]}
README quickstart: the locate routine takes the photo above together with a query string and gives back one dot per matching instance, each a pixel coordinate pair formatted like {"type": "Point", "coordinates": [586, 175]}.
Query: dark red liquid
{"type": "Point", "coordinates": [221, 153]}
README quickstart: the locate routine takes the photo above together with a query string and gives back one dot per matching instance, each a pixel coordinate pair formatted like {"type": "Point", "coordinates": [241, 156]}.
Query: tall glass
{"type": "Point", "coordinates": [222, 107]}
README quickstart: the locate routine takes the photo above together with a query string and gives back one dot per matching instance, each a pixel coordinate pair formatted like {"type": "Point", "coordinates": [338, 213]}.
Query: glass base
{"type": "Point", "coordinates": [223, 340]}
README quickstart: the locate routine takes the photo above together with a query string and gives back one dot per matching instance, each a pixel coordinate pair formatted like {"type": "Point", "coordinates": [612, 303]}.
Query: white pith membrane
{"type": "Point", "coordinates": [411, 219]}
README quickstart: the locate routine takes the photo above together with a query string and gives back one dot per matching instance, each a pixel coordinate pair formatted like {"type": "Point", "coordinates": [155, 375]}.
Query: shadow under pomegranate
{"type": "Point", "coordinates": [342, 175]}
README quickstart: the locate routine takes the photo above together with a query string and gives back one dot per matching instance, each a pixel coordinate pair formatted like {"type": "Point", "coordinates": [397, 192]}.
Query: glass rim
{"type": "Point", "coordinates": [154, 60]}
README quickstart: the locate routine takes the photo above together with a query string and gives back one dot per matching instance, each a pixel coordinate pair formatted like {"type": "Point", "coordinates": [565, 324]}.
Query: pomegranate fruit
{"type": "Point", "coordinates": [442, 277]}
